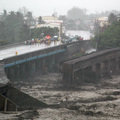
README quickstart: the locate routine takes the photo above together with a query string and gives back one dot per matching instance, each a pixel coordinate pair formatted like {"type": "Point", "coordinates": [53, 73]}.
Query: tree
{"type": "Point", "coordinates": [76, 13]}
{"type": "Point", "coordinates": [2, 27]}
{"type": "Point", "coordinates": [4, 15]}
{"type": "Point", "coordinates": [13, 23]}
{"type": "Point", "coordinates": [29, 19]}
{"type": "Point", "coordinates": [2, 34]}
{"type": "Point", "coordinates": [36, 32]}
{"type": "Point", "coordinates": [40, 21]}
{"type": "Point", "coordinates": [96, 27]}
{"type": "Point", "coordinates": [24, 33]}
{"type": "Point", "coordinates": [23, 11]}
{"type": "Point", "coordinates": [76, 18]}
{"type": "Point", "coordinates": [112, 18]}
{"type": "Point", "coordinates": [63, 17]}
{"type": "Point", "coordinates": [70, 25]}
{"type": "Point", "coordinates": [110, 37]}
{"type": "Point", "coordinates": [13, 28]}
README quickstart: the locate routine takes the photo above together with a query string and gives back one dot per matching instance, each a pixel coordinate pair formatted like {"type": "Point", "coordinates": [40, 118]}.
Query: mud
{"type": "Point", "coordinates": [89, 101]}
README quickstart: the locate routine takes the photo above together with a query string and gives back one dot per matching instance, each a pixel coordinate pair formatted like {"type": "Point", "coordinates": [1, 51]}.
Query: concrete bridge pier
{"type": "Point", "coordinates": [116, 71]}
{"type": "Point", "coordinates": [37, 67]}
{"type": "Point", "coordinates": [79, 77]}
{"type": "Point", "coordinates": [32, 67]}
{"type": "Point", "coordinates": [113, 66]}
{"type": "Point", "coordinates": [41, 65]}
{"type": "Point", "coordinates": [11, 72]}
{"type": "Point", "coordinates": [16, 72]}
{"type": "Point", "coordinates": [89, 74]}
{"type": "Point", "coordinates": [67, 77]}
{"type": "Point", "coordinates": [104, 69]}
{"type": "Point", "coordinates": [27, 69]}
{"type": "Point", "coordinates": [22, 71]}
{"type": "Point", "coordinates": [7, 71]}
{"type": "Point", "coordinates": [96, 70]}
{"type": "Point", "coordinates": [57, 60]}
{"type": "Point", "coordinates": [118, 59]}
{"type": "Point", "coordinates": [49, 63]}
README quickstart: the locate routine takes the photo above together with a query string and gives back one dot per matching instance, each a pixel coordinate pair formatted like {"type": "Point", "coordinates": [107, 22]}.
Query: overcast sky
{"type": "Point", "coordinates": [47, 7]}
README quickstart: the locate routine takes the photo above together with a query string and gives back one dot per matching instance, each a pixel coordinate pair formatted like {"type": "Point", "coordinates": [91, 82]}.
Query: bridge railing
{"type": "Point", "coordinates": [34, 55]}
{"type": "Point", "coordinates": [40, 52]}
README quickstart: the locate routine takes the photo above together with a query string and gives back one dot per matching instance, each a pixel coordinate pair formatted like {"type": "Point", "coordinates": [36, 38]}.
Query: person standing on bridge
{"type": "Point", "coordinates": [16, 53]}
{"type": "Point", "coordinates": [38, 41]}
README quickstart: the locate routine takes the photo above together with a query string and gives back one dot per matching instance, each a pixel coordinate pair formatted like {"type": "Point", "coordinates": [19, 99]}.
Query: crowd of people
{"type": "Point", "coordinates": [37, 41]}
{"type": "Point", "coordinates": [48, 40]}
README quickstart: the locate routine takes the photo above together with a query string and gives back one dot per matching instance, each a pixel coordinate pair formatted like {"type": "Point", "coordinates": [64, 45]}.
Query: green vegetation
{"type": "Point", "coordinates": [108, 38]}
{"type": "Point", "coordinates": [37, 33]}
{"type": "Point", "coordinates": [15, 27]}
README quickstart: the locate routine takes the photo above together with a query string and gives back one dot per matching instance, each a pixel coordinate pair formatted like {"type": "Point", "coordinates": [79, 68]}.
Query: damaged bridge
{"type": "Point", "coordinates": [10, 96]}
{"type": "Point", "coordinates": [22, 66]}
{"type": "Point", "coordinates": [91, 67]}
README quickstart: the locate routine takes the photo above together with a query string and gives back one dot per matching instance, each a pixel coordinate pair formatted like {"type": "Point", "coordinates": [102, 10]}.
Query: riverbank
{"type": "Point", "coordinates": [88, 101]}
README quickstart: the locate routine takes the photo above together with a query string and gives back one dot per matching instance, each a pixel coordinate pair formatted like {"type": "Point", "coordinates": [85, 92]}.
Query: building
{"type": "Point", "coordinates": [49, 18]}
{"type": "Point", "coordinates": [102, 21]}
{"type": "Point", "coordinates": [118, 17]}
{"type": "Point", "coordinates": [51, 21]}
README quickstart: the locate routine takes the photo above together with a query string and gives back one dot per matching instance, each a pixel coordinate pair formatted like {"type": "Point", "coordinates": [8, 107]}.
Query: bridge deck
{"type": "Point", "coordinates": [73, 61]}
{"type": "Point", "coordinates": [10, 52]}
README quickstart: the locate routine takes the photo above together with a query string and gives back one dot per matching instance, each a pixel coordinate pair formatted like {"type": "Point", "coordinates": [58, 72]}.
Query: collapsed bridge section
{"type": "Point", "coordinates": [11, 99]}
{"type": "Point", "coordinates": [22, 66]}
{"type": "Point", "coordinates": [91, 66]}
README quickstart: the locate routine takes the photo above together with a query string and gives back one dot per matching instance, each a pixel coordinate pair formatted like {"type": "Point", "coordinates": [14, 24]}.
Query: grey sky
{"type": "Point", "coordinates": [47, 7]}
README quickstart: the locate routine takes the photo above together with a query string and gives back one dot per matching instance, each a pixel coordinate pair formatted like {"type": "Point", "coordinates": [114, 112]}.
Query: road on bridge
{"type": "Point", "coordinates": [9, 52]}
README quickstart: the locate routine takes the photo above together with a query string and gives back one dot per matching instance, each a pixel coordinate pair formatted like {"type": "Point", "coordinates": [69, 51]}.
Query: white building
{"type": "Point", "coordinates": [52, 22]}
{"type": "Point", "coordinates": [102, 21]}
{"type": "Point", "coordinates": [118, 17]}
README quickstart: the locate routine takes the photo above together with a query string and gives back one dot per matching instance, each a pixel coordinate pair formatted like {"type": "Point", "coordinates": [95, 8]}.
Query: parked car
{"type": "Point", "coordinates": [67, 40]}
{"type": "Point", "coordinates": [55, 38]}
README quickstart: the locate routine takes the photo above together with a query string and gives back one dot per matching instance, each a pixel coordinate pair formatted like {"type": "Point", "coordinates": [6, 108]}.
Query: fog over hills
{"type": "Point", "coordinates": [46, 7]}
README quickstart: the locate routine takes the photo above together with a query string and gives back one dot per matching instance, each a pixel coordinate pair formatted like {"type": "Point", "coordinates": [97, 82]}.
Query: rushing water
{"type": "Point", "coordinates": [85, 34]}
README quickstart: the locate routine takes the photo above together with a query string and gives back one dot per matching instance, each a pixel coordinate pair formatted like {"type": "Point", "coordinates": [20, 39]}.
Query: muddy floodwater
{"type": "Point", "coordinates": [89, 101]}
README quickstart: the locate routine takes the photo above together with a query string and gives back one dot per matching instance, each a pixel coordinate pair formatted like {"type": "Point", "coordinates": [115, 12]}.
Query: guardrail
{"type": "Point", "coordinates": [33, 58]}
